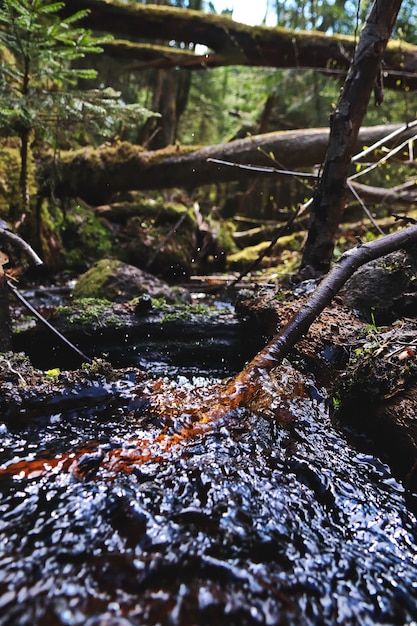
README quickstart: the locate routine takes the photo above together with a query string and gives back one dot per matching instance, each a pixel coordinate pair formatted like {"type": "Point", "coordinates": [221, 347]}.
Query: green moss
{"type": "Point", "coordinates": [225, 231]}
{"type": "Point", "coordinates": [96, 281]}
{"type": "Point", "coordinates": [160, 212]}
{"type": "Point", "coordinates": [248, 255]}
{"type": "Point", "coordinates": [85, 237]}
{"type": "Point", "coordinates": [52, 251]}
{"type": "Point", "coordinates": [370, 376]}
{"type": "Point", "coordinates": [157, 156]}
{"type": "Point", "coordinates": [291, 242]}
{"type": "Point", "coordinates": [92, 312]}
{"type": "Point", "coordinates": [184, 311]}
{"type": "Point", "coordinates": [10, 195]}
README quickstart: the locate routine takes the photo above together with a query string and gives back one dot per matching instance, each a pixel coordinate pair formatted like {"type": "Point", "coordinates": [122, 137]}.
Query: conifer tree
{"type": "Point", "coordinates": [39, 92]}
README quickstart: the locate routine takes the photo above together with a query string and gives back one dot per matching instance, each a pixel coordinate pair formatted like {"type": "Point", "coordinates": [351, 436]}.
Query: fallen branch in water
{"type": "Point", "coordinates": [240, 388]}
{"type": "Point", "coordinates": [205, 407]}
{"type": "Point", "coordinates": [40, 318]}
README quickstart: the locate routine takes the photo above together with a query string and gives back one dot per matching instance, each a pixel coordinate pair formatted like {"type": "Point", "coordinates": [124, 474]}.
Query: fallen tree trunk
{"type": "Point", "coordinates": [96, 175]}
{"type": "Point", "coordinates": [239, 391]}
{"type": "Point", "coordinates": [232, 43]}
{"type": "Point", "coordinates": [405, 194]}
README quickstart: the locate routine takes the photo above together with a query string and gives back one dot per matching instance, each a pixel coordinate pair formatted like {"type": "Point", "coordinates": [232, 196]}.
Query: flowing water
{"type": "Point", "coordinates": [246, 521]}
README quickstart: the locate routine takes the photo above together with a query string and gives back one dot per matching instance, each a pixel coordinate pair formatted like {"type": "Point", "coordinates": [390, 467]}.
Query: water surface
{"type": "Point", "coordinates": [249, 522]}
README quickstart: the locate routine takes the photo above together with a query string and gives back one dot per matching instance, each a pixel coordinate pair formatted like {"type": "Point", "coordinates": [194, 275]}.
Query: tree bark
{"type": "Point", "coordinates": [96, 175]}
{"type": "Point", "coordinates": [240, 389]}
{"type": "Point", "coordinates": [229, 42]}
{"type": "Point", "coordinates": [328, 204]}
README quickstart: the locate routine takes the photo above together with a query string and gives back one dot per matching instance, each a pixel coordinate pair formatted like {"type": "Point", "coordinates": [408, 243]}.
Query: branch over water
{"type": "Point", "coordinates": [239, 390]}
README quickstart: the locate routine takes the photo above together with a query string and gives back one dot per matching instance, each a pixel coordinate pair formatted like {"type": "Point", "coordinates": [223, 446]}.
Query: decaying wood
{"type": "Point", "coordinates": [259, 234]}
{"type": "Point", "coordinates": [96, 175]}
{"type": "Point", "coordinates": [229, 42]}
{"type": "Point", "coordinates": [363, 77]}
{"type": "Point", "coordinates": [404, 194]}
{"type": "Point", "coordinates": [239, 390]}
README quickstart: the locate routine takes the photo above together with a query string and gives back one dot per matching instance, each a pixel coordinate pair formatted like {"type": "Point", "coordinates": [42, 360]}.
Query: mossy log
{"type": "Point", "coordinates": [149, 333]}
{"type": "Point", "coordinates": [96, 175]}
{"type": "Point", "coordinates": [231, 43]}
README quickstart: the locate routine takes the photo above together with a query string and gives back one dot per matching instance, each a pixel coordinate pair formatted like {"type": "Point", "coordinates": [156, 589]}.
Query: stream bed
{"type": "Point", "coordinates": [248, 521]}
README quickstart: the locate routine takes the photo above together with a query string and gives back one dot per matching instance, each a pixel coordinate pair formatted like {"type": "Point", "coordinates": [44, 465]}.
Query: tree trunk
{"type": "Point", "coordinates": [229, 42]}
{"type": "Point", "coordinates": [327, 209]}
{"type": "Point", "coordinates": [162, 130]}
{"type": "Point", "coordinates": [96, 175]}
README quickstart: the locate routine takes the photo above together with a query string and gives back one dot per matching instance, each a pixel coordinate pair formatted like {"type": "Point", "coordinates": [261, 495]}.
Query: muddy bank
{"type": "Point", "coordinates": [369, 371]}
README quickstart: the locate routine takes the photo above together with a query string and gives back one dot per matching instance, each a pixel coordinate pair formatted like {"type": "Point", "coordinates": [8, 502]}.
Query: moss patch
{"type": "Point", "coordinates": [85, 237]}
{"type": "Point", "coordinates": [243, 258]}
{"type": "Point", "coordinates": [95, 282]}
{"type": "Point", "coordinates": [382, 364]}
{"type": "Point", "coordinates": [93, 313]}
{"type": "Point", "coordinates": [10, 196]}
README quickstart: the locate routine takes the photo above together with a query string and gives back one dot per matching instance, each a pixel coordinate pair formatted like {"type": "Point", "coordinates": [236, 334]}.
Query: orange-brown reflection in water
{"type": "Point", "coordinates": [178, 414]}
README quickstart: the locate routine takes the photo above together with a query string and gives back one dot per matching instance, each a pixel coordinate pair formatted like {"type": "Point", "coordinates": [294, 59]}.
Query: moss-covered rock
{"type": "Point", "coordinates": [118, 282]}
{"type": "Point", "coordinates": [72, 236]}
{"type": "Point", "coordinates": [85, 236]}
{"type": "Point", "coordinates": [385, 289]}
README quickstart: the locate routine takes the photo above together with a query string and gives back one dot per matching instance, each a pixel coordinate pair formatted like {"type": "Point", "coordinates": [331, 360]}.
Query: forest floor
{"type": "Point", "coordinates": [366, 373]}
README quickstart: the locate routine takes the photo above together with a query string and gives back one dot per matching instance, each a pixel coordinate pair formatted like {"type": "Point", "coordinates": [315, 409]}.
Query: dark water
{"type": "Point", "coordinates": [251, 522]}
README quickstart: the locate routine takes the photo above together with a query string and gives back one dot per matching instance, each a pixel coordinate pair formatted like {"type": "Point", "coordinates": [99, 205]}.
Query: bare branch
{"type": "Point", "coordinates": [239, 390]}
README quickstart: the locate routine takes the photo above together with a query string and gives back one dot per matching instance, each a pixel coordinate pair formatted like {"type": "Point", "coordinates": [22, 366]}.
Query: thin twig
{"type": "Point", "coordinates": [404, 218]}
{"type": "Point", "coordinates": [45, 322]}
{"type": "Point", "coordinates": [263, 169]}
{"type": "Point", "coordinates": [383, 141]}
{"type": "Point", "coordinates": [18, 374]}
{"type": "Point", "coordinates": [364, 207]}
{"type": "Point", "coordinates": [385, 158]}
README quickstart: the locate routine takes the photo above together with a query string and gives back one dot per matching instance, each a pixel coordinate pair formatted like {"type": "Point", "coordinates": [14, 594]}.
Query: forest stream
{"type": "Point", "coordinates": [205, 470]}
{"type": "Point", "coordinates": [141, 503]}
